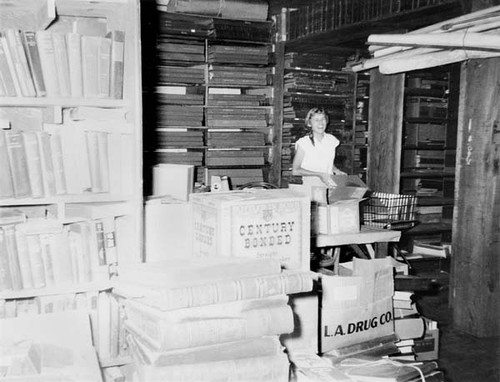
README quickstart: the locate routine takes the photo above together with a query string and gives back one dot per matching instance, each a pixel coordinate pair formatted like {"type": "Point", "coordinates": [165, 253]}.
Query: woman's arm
{"type": "Point", "coordinates": [299, 171]}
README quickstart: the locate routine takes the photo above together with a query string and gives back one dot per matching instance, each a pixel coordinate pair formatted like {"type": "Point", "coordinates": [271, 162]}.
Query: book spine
{"type": "Point", "coordinates": [5, 276]}
{"type": "Point", "coordinates": [167, 335]}
{"type": "Point", "coordinates": [6, 180]}
{"type": "Point", "coordinates": [266, 368]}
{"type": "Point", "coordinates": [18, 163]}
{"type": "Point", "coordinates": [12, 255]}
{"type": "Point", "coordinates": [62, 64]}
{"type": "Point", "coordinates": [104, 67]}
{"type": "Point", "coordinates": [36, 262]}
{"type": "Point", "coordinates": [49, 182]}
{"type": "Point", "coordinates": [35, 65]}
{"type": "Point", "coordinates": [58, 164]}
{"type": "Point", "coordinates": [20, 62]}
{"type": "Point", "coordinates": [34, 162]}
{"type": "Point", "coordinates": [9, 80]}
{"type": "Point", "coordinates": [90, 58]}
{"type": "Point", "coordinates": [232, 290]}
{"type": "Point", "coordinates": [48, 61]}
{"type": "Point", "coordinates": [74, 45]}
{"type": "Point", "coordinates": [117, 64]}
{"type": "Point", "coordinates": [24, 260]}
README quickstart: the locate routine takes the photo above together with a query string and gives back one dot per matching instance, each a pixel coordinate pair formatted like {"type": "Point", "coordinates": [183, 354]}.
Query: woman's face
{"type": "Point", "coordinates": [318, 123]}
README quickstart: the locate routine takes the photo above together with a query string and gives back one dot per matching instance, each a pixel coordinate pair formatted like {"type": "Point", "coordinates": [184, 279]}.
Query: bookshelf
{"type": "Point", "coordinates": [316, 80]}
{"type": "Point", "coordinates": [360, 136]}
{"type": "Point", "coordinates": [71, 158]}
{"type": "Point", "coordinates": [209, 98]}
{"type": "Point", "coordinates": [428, 149]}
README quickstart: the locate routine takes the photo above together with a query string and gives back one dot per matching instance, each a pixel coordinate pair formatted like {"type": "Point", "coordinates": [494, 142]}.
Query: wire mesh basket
{"type": "Point", "coordinates": [391, 211]}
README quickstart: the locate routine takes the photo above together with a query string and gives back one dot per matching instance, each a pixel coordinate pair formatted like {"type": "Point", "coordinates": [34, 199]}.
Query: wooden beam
{"type": "Point", "coordinates": [453, 40]}
{"type": "Point", "coordinates": [385, 133]}
{"type": "Point", "coordinates": [475, 281]}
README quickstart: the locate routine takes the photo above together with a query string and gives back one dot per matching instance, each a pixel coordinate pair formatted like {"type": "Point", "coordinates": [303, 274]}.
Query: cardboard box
{"type": "Point", "coordinates": [253, 223]}
{"type": "Point", "coordinates": [348, 187]}
{"type": "Point", "coordinates": [175, 180]}
{"type": "Point", "coordinates": [340, 217]}
{"type": "Point", "coordinates": [357, 308]}
{"type": "Point", "coordinates": [167, 229]}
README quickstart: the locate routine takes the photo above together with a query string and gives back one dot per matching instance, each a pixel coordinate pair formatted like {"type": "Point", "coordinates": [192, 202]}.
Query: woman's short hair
{"type": "Point", "coordinates": [314, 111]}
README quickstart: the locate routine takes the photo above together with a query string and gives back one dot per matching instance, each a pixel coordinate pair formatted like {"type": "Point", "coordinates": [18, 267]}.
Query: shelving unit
{"type": "Point", "coordinates": [317, 82]}
{"type": "Point", "coordinates": [429, 148]}
{"type": "Point", "coordinates": [61, 153]}
{"type": "Point", "coordinates": [223, 123]}
{"type": "Point", "coordinates": [360, 135]}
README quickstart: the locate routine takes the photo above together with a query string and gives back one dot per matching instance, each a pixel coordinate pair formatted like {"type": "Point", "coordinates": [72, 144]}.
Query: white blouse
{"type": "Point", "coordinates": [320, 156]}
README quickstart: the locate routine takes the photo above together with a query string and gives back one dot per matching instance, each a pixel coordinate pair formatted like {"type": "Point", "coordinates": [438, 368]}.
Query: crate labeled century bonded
{"type": "Point", "coordinates": [252, 223]}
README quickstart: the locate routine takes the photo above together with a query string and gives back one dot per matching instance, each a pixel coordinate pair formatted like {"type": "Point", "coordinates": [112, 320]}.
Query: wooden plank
{"type": "Point", "coordinates": [385, 133]}
{"type": "Point", "coordinates": [475, 293]}
{"type": "Point", "coordinates": [274, 176]}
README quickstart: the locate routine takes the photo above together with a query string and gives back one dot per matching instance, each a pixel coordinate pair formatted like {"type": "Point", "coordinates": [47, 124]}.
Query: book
{"type": "Point", "coordinates": [14, 269]}
{"type": "Point", "coordinates": [409, 327]}
{"type": "Point", "coordinates": [218, 292]}
{"type": "Point", "coordinates": [273, 368]}
{"type": "Point", "coordinates": [252, 347]}
{"type": "Point", "coordinates": [104, 67]}
{"type": "Point", "coordinates": [436, 249]}
{"type": "Point", "coordinates": [35, 65]}
{"type": "Point", "coordinates": [5, 277]}
{"type": "Point", "coordinates": [210, 324]}
{"type": "Point", "coordinates": [34, 162]}
{"type": "Point", "coordinates": [57, 163]}
{"type": "Point", "coordinates": [74, 47]}
{"type": "Point", "coordinates": [364, 347]}
{"type": "Point", "coordinates": [402, 312]}
{"type": "Point", "coordinates": [48, 62]}
{"type": "Point", "coordinates": [18, 163]}
{"type": "Point", "coordinates": [196, 271]}
{"type": "Point", "coordinates": [62, 64]}
{"type": "Point", "coordinates": [90, 65]}
{"type": "Point", "coordinates": [20, 61]}
{"type": "Point", "coordinates": [7, 75]}
{"type": "Point", "coordinates": [386, 371]}
{"type": "Point", "coordinates": [47, 166]}
{"type": "Point", "coordinates": [6, 177]}
{"type": "Point", "coordinates": [23, 257]}
{"type": "Point", "coordinates": [117, 63]}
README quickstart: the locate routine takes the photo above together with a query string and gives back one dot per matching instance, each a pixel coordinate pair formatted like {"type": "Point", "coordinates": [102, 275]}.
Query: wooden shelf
{"type": "Point", "coordinates": [427, 174]}
{"type": "Point", "coordinates": [62, 102]}
{"type": "Point", "coordinates": [426, 120]}
{"type": "Point", "coordinates": [419, 92]}
{"type": "Point", "coordinates": [429, 228]}
{"type": "Point", "coordinates": [56, 290]}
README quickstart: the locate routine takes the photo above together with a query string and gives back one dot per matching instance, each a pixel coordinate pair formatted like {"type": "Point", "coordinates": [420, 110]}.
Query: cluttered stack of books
{"type": "Point", "coordinates": [209, 319]}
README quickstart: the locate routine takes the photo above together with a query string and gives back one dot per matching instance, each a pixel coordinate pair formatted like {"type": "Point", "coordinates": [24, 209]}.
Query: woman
{"type": "Point", "coordinates": [315, 152]}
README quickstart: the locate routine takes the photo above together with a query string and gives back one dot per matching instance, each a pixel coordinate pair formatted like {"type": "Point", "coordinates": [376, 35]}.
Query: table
{"type": "Point", "coordinates": [367, 236]}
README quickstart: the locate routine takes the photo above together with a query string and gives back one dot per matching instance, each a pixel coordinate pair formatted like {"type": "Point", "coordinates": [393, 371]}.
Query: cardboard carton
{"type": "Point", "coordinates": [357, 308]}
{"type": "Point", "coordinates": [253, 223]}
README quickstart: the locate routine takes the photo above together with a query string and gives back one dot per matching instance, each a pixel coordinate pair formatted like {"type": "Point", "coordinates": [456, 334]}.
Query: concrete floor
{"type": "Point", "coordinates": [463, 357]}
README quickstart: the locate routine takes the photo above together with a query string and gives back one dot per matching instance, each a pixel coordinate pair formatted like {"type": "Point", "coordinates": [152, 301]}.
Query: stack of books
{"type": "Point", "coordinates": [180, 156]}
{"type": "Point", "coordinates": [418, 335]}
{"type": "Point", "coordinates": [234, 158]}
{"type": "Point", "coordinates": [178, 138]}
{"type": "Point", "coordinates": [223, 75]}
{"type": "Point", "coordinates": [236, 118]}
{"type": "Point", "coordinates": [171, 115]}
{"type": "Point", "coordinates": [258, 31]}
{"type": "Point", "coordinates": [238, 54]}
{"type": "Point", "coordinates": [209, 319]}
{"type": "Point", "coordinates": [171, 51]}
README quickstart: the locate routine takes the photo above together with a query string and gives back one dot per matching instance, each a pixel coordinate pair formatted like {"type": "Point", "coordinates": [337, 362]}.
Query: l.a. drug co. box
{"type": "Point", "coordinates": [252, 223]}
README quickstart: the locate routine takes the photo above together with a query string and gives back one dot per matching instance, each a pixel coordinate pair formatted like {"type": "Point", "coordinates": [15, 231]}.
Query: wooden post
{"type": "Point", "coordinates": [475, 281]}
{"type": "Point", "coordinates": [274, 176]}
{"type": "Point", "coordinates": [385, 133]}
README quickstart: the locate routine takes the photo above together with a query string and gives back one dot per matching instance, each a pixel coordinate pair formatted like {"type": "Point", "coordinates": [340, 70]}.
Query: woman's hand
{"type": "Point", "coordinates": [327, 180]}
{"type": "Point", "coordinates": [338, 172]}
